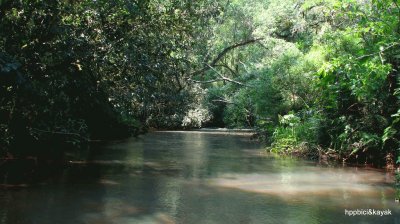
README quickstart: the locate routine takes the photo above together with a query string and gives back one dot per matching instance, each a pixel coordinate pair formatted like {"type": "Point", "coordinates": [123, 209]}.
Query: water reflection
{"type": "Point", "coordinates": [336, 184]}
{"type": "Point", "coordinates": [186, 177]}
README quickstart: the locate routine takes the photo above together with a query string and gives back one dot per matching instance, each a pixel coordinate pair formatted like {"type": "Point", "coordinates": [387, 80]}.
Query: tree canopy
{"type": "Point", "coordinates": [310, 75]}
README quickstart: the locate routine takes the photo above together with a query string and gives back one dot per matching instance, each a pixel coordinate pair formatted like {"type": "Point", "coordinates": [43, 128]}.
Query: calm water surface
{"type": "Point", "coordinates": [194, 177]}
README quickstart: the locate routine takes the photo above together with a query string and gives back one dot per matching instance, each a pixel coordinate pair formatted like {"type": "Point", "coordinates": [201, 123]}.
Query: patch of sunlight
{"type": "Point", "coordinates": [317, 181]}
{"type": "Point", "coordinates": [155, 218]}
{"type": "Point", "coordinates": [108, 182]}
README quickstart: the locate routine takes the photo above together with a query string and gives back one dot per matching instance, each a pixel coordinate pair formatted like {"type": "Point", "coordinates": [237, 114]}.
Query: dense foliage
{"type": "Point", "coordinates": [323, 77]}
{"type": "Point", "coordinates": [78, 70]}
{"type": "Point", "coordinates": [312, 76]}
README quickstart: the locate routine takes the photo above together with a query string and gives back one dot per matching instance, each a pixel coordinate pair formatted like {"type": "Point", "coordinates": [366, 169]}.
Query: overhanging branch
{"type": "Point", "coordinates": [221, 78]}
{"type": "Point", "coordinates": [222, 54]}
{"type": "Point", "coordinates": [226, 78]}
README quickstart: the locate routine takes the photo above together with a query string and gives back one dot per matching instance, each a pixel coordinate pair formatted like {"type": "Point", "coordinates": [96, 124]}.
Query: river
{"type": "Point", "coordinates": [200, 177]}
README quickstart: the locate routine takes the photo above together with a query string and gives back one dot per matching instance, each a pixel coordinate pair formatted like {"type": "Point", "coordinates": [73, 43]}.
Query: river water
{"type": "Point", "coordinates": [200, 177]}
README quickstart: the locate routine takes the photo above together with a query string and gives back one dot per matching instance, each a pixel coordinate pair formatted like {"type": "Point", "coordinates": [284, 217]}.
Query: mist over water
{"type": "Point", "coordinates": [199, 177]}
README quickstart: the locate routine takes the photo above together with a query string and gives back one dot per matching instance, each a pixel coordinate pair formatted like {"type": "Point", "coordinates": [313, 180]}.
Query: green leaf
{"type": "Point", "coordinates": [388, 133]}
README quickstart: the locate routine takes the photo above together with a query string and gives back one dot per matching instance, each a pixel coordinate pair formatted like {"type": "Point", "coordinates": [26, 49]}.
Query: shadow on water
{"type": "Point", "coordinates": [192, 177]}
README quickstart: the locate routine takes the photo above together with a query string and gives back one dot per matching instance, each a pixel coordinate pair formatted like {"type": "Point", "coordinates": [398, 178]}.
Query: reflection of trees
{"type": "Point", "coordinates": [166, 177]}
{"type": "Point", "coordinates": [63, 199]}
{"type": "Point", "coordinates": [195, 154]}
